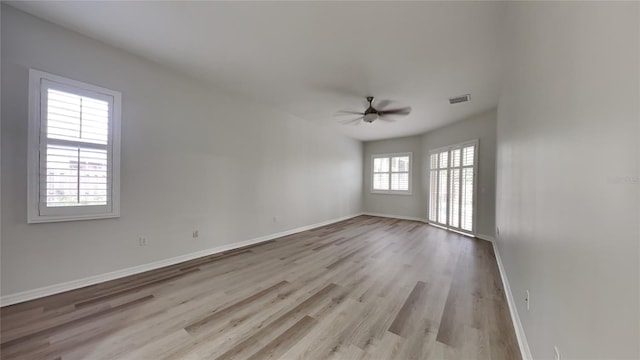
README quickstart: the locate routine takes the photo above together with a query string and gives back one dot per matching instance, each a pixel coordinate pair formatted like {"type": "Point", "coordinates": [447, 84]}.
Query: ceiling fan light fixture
{"type": "Point", "coordinates": [371, 114]}
{"type": "Point", "coordinates": [370, 117]}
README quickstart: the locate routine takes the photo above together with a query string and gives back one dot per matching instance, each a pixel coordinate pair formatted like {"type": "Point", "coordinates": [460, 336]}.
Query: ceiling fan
{"type": "Point", "coordinates": [372, 114]}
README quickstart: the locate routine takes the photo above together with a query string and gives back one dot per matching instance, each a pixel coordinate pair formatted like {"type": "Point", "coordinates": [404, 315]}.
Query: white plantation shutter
{"type": "Point", "coordinates": [466, 202]}
{"type": "Point", "coordinates": [74, 176]}
{"type": "Point", "coordinates": [381, 181]}
{"type": "Point", "coordinates": [400, 173]}
{"type": "Point", "coordinates": [442, 196]}
{"type": "Point", "coordinates": [433, 187]}
{"type": "Point", "coordinates": [74, 143]}
{"type": "Point", "coordinates": [454, 204]}
{"type": "Point", "coordinates": [452, 186]}
{"type": "Point", "coordinates": [391, 173]}
{"type": "Point", "coordinates": [381, 173]}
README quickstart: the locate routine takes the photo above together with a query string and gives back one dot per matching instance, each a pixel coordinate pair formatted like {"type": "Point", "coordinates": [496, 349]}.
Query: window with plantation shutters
{"type": "Point", "coordinates": [452, 172]}
{"type": "Point", "coordinates": [391, 173]}
{"type": "Point", "coordinates": [74, 142]}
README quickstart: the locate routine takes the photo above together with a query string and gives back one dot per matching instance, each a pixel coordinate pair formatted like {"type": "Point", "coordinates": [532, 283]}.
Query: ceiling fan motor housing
{"type": "Point", "coordinates": [371, 114]}
{"type": "Point", "coordinates": [370, 117]}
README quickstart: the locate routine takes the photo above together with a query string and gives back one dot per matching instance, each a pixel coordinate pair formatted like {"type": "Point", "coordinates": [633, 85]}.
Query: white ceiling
{"type": "Point", "coordinates": [312, 59]}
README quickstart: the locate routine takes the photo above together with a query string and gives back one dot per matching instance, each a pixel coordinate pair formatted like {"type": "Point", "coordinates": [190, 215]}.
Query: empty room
{"type": "Point", "coordinates": [319, 180]}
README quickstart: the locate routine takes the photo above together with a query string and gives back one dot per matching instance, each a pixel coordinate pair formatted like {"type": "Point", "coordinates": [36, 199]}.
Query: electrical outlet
{"type": "Point", "coordinates": [143, 241]}
{"type": "Point", "coordinates": [527, 300]}
{"type": "Point", "coordinates": [556, 353]}
{"type": "Point", "coordinates": [195, 234]}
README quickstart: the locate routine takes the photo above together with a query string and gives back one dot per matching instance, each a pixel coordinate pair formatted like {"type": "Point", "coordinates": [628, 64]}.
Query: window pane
{"type": "Point", "coordinates": [77, 118]}
{"type": "Point", "coordinates": [433, 191]}
{"type": "Point", "coordinates": [61, 187]}
{"type": "Point", "coordinates": [444, 159]}
{"type": "Point", "coordinates": [75, 176]}
{"type": "Point", "coordinates": [468, 154]}
{"type": "Point", "coordinates": [455, 158]}
{"type": "Point", "coordinates": [380, 181]}
{"type": "Point", "coordinates": [381, 164]}
{"type": "Point", "coordinates": [93, 177]}
{"type": "Point", "coordinates": [434, 161]}
{"type": "Point", "coordinates": [400, 181]}
{"type": "Point", "coordinates": [400, 163]}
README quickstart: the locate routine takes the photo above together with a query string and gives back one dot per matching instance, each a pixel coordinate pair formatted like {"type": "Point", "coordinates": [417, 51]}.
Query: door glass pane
{"type": "Point", "coordinates": [454, 207]}
{"type": "Point", "coordinates": [468, 155]}
{"type": "Point", "coordinates": [455, 158]}
{"type": "Point", "coordinates": [434, 161]}
{"type": "Point", "coordinates": [442, 196]}
{"type": "Point", "coordinates": [467, 199]}
{"type": "Point", "coordinates": [444, 159]}
{"type": "Point", "coordinates": [433, 191]}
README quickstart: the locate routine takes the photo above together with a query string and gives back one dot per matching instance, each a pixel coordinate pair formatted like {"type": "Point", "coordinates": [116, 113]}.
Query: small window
{"type": "Point", "coordinates": [74, 150]}
{"type": "Point", "coordinates": [391, 173]}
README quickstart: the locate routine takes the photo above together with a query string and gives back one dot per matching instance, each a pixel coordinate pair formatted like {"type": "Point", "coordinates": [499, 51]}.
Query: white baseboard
{"type": "Point", "coordinates": [517, 325]}
{"type": "Point", "coordinates": [396, 217]}
{"type": "Point", "coordinates": [10, 299]}
{"type": "Point", "coordinates": [515, 318]}
{"type": "Point", "coordinates": [485, 237]}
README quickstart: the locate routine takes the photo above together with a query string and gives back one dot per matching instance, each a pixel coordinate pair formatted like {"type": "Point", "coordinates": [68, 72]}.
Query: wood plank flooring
{"type": "Point", "coordinates": [365, 288]}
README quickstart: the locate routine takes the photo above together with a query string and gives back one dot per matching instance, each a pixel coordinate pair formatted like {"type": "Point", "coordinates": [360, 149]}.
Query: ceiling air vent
{"type": "Point", "coordinates": [459, 99]}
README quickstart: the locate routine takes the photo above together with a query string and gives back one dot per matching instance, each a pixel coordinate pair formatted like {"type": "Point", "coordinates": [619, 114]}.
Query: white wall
{"type": "Point", "coordinates": [416, 205]}
{"type": "Point", "coordinates": [393, 204]}
{"type": "Point", "coordinates": [193, 157]}
{"type": "Point", "coordinates": [0, 147]}
{"type": "Point", "coordinates": [567, 180]}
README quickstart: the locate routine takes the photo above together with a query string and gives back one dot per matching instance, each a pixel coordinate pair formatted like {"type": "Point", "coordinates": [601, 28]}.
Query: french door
{"type": "Point", "coordinates": [452, 183]}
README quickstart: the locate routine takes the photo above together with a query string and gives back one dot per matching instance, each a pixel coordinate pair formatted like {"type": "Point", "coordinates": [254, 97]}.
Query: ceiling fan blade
{"type": "Point", "coordinates": [380, 105]}
{"type": "Point", "coordinates": [345, 112]}
{"type": "Point", "coordinates": [399, 111]}
{"type": "Point", "coordinates": [355, 121]}
{"type": "Point", "coordinates": [386, 119]}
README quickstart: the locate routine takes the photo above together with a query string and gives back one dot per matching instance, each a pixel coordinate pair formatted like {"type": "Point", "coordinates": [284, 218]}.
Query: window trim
{"type": "Point", "coordinates": [391, 155]}
{"type": "Point", "coordinates": [476, 162]}
{"type": "Point", "coordinates": [34, 215]}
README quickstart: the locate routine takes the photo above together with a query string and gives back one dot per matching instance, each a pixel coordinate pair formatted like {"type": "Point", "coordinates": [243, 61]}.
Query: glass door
{"type": "Point", "coordinates": [452, 186]}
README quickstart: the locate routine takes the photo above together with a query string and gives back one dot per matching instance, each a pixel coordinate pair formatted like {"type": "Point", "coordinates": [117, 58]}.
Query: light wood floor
{"type": "Point", "coordinates": [367, 287]}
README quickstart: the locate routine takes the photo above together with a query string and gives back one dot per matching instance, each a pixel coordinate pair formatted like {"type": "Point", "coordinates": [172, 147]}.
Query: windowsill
{"type": "Point", "coordinates": [388, 192]}
{"type": "Point", "coordinates": [61, 218]}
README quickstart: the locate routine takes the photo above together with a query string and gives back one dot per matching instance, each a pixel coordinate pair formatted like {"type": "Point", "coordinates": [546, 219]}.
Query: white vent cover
{"type": "Point", "coordinates": [459, 99]}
